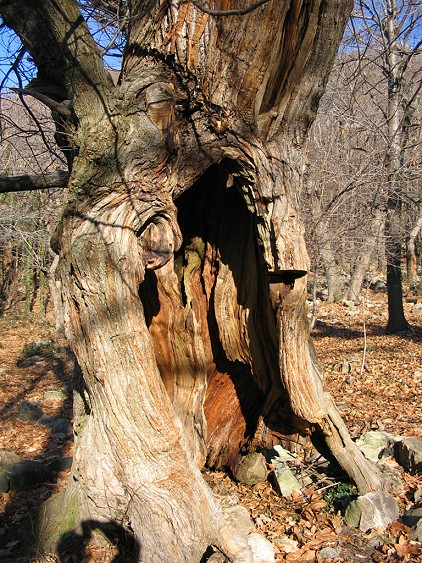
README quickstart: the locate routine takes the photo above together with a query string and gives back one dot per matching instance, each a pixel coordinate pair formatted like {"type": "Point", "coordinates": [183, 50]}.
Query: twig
{"type": "Point", "coordinates": [364, 337]}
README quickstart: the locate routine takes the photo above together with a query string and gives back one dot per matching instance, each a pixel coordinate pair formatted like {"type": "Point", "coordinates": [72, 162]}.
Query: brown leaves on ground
{"type": "Point", "coordinates": [379, 391]}
{"type": "Point", "coordinates": [385, 394]}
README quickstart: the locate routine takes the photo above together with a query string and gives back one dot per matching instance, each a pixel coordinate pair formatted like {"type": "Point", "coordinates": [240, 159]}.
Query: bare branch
{"type": "Point", "coordinates": [242, 12]}
{"type": "Point", "coordinates": [52, 104]}
{"type": "Point", "coordinates": [28, 182]}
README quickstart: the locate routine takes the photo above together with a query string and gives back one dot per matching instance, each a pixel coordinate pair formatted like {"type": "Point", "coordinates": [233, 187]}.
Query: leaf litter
{"type": "Point", "coordinates": [382, 394]}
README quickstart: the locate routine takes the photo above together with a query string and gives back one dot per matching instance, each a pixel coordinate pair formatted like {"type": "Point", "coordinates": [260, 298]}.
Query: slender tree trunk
{"type": "Point", "coordinates": [331, 269]}
{"type": "Point", "coordinates": [412, 267]}
{"type": "Point", "coordinates": [364, 257]}
{"type": "Point", "coordinates": [393, 224]}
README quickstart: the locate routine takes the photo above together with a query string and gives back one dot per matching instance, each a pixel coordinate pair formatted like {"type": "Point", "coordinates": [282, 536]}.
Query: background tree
{"type": "Point", "coordinates": [182, 259]}
{"type": "Point", "coordinates": [27, 221]}
{"type": "Point", "coordinates": [394, 30]}
{"type": "Point", "coordinates": [360, 126]}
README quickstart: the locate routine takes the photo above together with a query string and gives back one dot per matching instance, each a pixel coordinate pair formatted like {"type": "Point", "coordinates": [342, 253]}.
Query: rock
{"type": "Point", "coordinates": [25, 475]}
{"type": "Point", "coordinates": [45, 420]}
{"type": "Point", "coordinates": [285, 481]}
{"type": "Point", "coordinates": [417, 376]}
{"type": "Point", "coordinates": [263, 551]}
{"type": "Point", "coordinates": [4, 484]}
{"type": "Point", "coordinates": [416, 531]}
{"type": "Point", "coordinates": [278, 453]}
{"type": "Point", "coordinates": [28, 412]}
{"type": "Point", "coordinates": [392, 474]}
{"type": "Point", "coordinates": [330, 552]}
{"type": "Point", "coordinates": [61, 464]}
{"type": "Point", "coordinates": [417, 309]}
{"type": "Point", "coordinates": [26, 363]}
{"type": "Point", "coordinates": [251, 469]}
{"type": "Point", "coordinates": [379, 285]}
{"type": "Point", "coordinates": [352, 312]}
{"type": "Point", "coordinates": [418, 495]}
{"type": "Point", "coordinates": [409, 454]}
{"type": "Point", "coordinates": [412, 516]}
{"type": "Point", "coordinates": [373, 443]}
{"type": "Point", "coordinates": [57, 425]}
{"type": "Point", "coordinates": [8, 458]}
{"type": "Point", "coordinates": [52, 394]}
{"type": "Point", "coordinates": [373, 510]}
{"type": "Point", "coordinates": [240, 518]}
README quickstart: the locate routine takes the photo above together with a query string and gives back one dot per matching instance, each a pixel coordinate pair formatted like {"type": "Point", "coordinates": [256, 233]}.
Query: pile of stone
{"type": "Point", "coordinates": [391, 454]}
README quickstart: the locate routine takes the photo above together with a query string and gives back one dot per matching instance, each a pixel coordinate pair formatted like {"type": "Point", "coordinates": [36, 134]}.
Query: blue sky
{"type": "Point", "coordinates": [10, 47]}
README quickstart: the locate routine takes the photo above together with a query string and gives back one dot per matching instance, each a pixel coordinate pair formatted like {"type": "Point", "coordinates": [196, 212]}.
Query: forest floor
{"type": "Point", "coordinates": [376, 380]}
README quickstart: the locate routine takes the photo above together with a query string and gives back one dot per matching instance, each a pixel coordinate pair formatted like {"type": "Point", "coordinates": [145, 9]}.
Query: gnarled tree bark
{"type": "Point", "coordinates": [182, 257]}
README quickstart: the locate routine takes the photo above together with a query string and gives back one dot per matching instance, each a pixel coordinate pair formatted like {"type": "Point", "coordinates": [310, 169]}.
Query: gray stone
{"type": "Point", "coordinates": [45, 420]}
{"type": "Point", "coordinates": [418, 495]}
{"type": "Point", "coordinates": [59, 436]}
{"type": "Point", "coordinates": [379, 285]}
{"type": "Point", "coordinates": [372, 444]}
{"type": "Point", "coordinates": [392, 476]}
{"type": "Point", "coordinates": [61, 464]}
{"type": "Point", "coordinates": [417, 309]}
{"type": "Point", "coordinates": [285, 481]}
{"type": "Point", "coordinates": [251, 469]}
{"type": "Point", "coordinates": [240, 518]}
{"type": "Point", "coordinates": [25, 475]}
{"type": "Point", "coordinates": [7, 458]}
{"type": "Point", "coordinates": [52, 394]}
{"type": "Point", "coordinates": [352, 312]}
{"type": "Point", "coordinates": [29, 412]}
{"type": "Point", "coordinates": [278, 453]}
{"type": "Point", "coordinates": [373, 510]}
{"type": "Point", "coordinates": [330, 552]}
{"type": "Point", "coordinates": [412, 516]}
{"type": "Point", "coordinates": [4, 484]}
{"type": "Point", "coordinates": [262, 550]}
{"type": "Point", "coordinates": [56, 425]}
{"type": "Point", "coordinates": [409, 454]}
{"type": "Point", "coordinates": [416, 531]}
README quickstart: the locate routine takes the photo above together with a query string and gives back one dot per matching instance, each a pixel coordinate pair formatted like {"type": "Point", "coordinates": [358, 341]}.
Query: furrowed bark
{"type": "Point", "coordinates": [183, 261]}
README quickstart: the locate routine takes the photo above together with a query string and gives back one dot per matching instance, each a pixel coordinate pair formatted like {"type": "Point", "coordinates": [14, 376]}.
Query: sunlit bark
{"type": "Point", "coordinates": [183, 262]}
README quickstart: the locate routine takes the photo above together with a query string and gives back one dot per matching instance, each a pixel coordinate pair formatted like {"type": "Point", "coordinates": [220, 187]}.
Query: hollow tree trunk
{"type": "Point", "coordinates": [183, 260]}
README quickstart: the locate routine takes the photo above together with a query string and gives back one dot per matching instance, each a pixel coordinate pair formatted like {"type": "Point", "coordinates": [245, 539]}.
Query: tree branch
{"type": "Point", "coordinates": [27, 182]}
{"type": "Point", "coordinates": [211, 12]}
{"type": "Point", "coordinates": [52, 104]}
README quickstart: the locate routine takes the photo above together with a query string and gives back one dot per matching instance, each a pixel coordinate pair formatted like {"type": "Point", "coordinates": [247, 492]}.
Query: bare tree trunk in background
{"type": "Point", "coordinates": [331, 268]}
{"type": "Point", "coordinates": [411, 262]}
{"type": "Point", "coordinates": [56, 297]}
{"type": "Point", "coordinates": [364, 257]}
{"type": "Point", "coordinates": [393, 224]}
{"type": "Point", "coordinates": [182, 258]}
